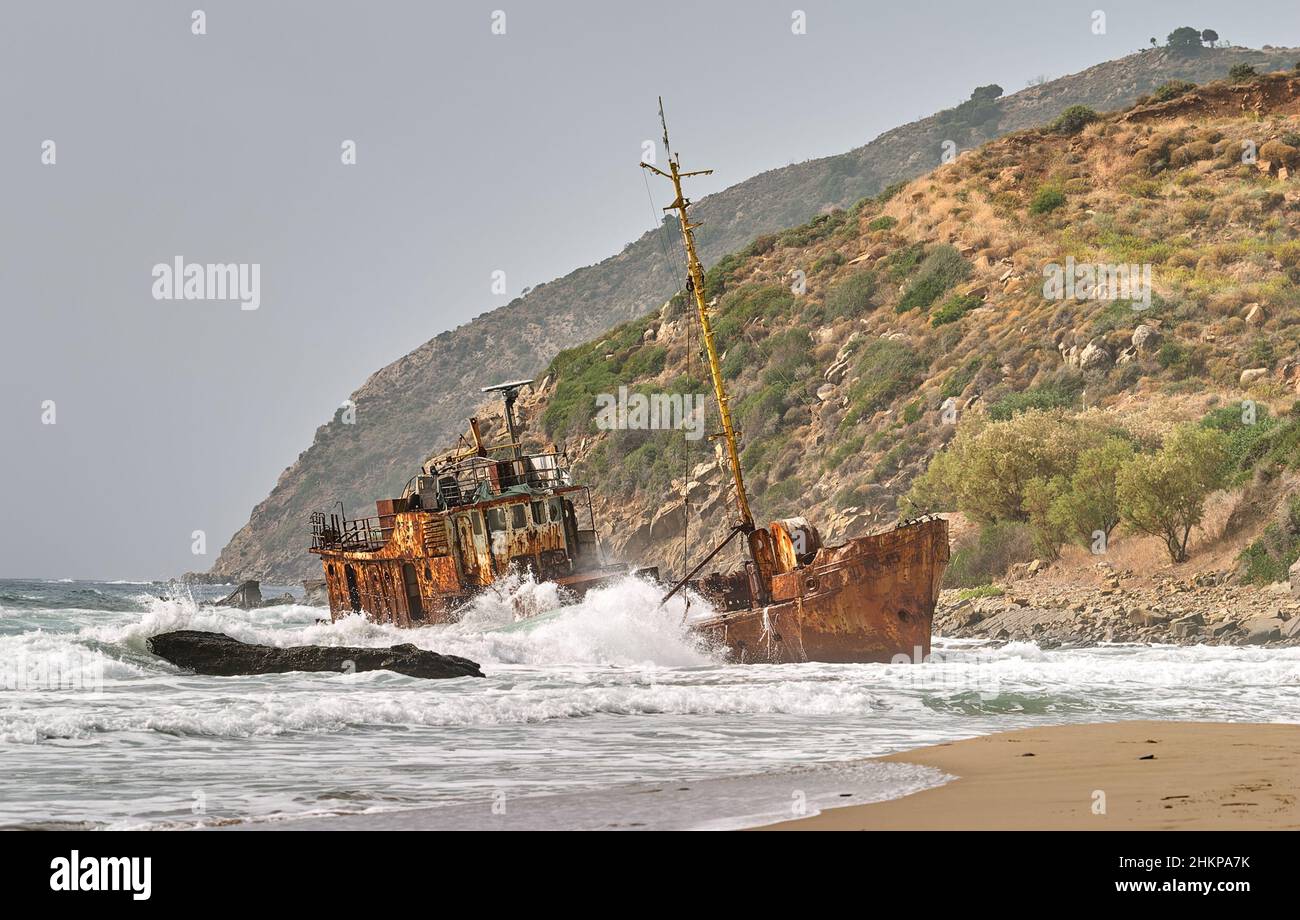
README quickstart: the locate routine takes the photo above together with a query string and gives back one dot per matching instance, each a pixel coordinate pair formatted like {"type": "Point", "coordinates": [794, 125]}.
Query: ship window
{"type": "Point", "coordinates": [478, 524]}
{"type": "Point", "coordinates": [556, 513]}
{"type": "Point", "coordinates": [518, 517]}
{"type": "Point", "coordinates": [496, 519]}
{"type": "Point", "coordinates": [539, 513]}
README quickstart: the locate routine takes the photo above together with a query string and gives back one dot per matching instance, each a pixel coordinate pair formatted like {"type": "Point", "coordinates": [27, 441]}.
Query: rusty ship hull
{"type": "Point", "coordinates": [868, 600]}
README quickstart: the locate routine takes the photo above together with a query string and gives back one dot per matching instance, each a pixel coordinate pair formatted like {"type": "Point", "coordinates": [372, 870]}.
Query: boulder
{"type": "Point", "coordinates": [1262, 629]}
{"type": "Point", "coordinates": [1147, 618]}
{"type": "Point", "coordinates": [1255, 314]}
{"type": "Point", "coordinates": [315, 594]}
{"type": "Point", "coordinates": [1094, 357]}
{"type": "Point", "coordinates": [1291, 629]}
{"type": "Point", "coordinates": [1295, 578]}
{"type": "Point", "coordinates": [1146, 338]}
{"type": "Point", "coordinates": [1250, 376]}
{"type": "Point", "coordinates": [1185, 627]}
{"type": "Point", "coordinates": [220, 655]}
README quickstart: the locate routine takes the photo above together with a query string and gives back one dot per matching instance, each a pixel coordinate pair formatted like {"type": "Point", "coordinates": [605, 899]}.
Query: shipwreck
{"type": "Point", "coordinates": [477, 513]}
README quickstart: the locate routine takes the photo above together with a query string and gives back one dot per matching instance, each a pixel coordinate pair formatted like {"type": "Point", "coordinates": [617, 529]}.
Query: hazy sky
{"type": "Point", "coordinates": [475, 153]}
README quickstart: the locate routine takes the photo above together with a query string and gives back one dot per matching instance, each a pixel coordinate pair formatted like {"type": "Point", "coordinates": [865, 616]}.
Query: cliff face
{"type": "Point", "coordinates": [420, 401]}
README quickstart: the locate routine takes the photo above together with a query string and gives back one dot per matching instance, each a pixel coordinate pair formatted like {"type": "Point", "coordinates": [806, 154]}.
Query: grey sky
{"type": "Point", "coordinates": [475, 153]}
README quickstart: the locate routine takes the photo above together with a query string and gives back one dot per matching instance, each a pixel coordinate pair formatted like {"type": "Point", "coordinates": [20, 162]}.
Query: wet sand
{"type": "Point", "coordinates": [1112, 776]}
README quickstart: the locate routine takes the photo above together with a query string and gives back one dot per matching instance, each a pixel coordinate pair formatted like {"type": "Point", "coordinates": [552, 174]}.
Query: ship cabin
{"type": "Point", "coordinates": [465, 521]}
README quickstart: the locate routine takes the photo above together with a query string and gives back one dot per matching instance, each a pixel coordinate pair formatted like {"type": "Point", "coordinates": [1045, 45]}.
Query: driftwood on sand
{"type": "Point", "coordinates": [219, 654]}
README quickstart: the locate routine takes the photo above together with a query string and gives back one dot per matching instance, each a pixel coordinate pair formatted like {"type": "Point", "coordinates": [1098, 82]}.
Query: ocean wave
{"type": "Point", "coordinates": [329, 707]}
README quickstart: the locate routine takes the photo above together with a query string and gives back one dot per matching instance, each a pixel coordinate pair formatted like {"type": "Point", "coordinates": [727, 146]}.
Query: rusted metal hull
{"type": "Point", "coordinates": [869, 600]}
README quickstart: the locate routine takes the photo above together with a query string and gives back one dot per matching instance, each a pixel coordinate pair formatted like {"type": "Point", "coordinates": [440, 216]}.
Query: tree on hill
{"type": "Point", "coordinates": [1184, 38]}
{"type": "Point", "coordinates": [1164, 494]}
{"type": "Point", "coordinates": [1209, 37]}
{"type": "Point", "coordinates": [989, 92]}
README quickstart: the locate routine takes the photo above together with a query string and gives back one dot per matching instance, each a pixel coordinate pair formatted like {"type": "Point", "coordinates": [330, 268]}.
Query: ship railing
{"type": "Point", "coordinates": [472, 474]}
{"type": "Point", "coordinates": [341, 534]}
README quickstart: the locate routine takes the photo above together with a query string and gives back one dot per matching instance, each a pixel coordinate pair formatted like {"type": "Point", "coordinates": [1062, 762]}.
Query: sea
{"type": "Point", "coordinates": [601, 713]}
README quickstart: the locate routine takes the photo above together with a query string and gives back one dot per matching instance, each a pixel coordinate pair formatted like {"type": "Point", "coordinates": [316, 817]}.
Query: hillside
{"type": "Point", "coordinates": [418, 402]}
{"type": "Point", "coordinates": [926, 315]}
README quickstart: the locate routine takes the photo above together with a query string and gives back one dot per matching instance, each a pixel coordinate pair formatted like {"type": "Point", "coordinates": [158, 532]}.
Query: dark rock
{"type": "Point", "coordinates": [1185, 627]}
{"type": "Point", "coordinates": [219, 654]}
{"type": "Point", "coordinates": [246, 597]}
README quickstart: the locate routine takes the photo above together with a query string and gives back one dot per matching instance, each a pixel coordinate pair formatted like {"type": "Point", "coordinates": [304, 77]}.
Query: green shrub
{"type": "Point", "coordinates": [883, 222]}
{"type": "Point", "coordinates": [985, 469]}
{"type": "Point", "coordinates": [1242, 73]}
{"type": "Point", "coordinates": [1046, 199]}
{"type": "Point", "coordinates": [842, 451]}
{"type": "Point", "coordinates": [1055, 395]}
{"type": "Point", "coordinates": [1073, 120]}
{"type": "Point", "coordinates": [834, 260]}
{"type": "Point", "coordinates": [852, 296]}
{"type": "Point", "coordinates": [956, 382]}
{"type": "Point", "coordinates": [746, 303]}
{"type": "Point", "coordinates": [886, 370]}
{"type": "Point", "coordinates": [953, 309]}
{"type": "Point", "coordinates": [989, 590]}
{"type": "Point", "coordinates": [1270, 557]}
{"type": "Point", "coordinates": [902, 262]}
{"type": "Point", "coordinates": [941, 269]}
{"type": "Point", "coordinates": [1171, 90]}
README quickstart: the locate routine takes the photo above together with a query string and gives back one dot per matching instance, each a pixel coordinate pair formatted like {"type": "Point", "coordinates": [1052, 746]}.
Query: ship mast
{"type": "Point", "coordinates": [760, 550]}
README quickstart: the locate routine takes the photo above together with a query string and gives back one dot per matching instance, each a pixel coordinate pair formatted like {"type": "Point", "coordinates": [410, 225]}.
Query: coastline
{"type": "Point", "coordinates": [1150, 776]}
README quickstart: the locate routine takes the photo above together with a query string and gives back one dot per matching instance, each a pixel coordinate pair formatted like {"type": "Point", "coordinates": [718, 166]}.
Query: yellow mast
{"type": "Point", "coordinates": [696, 287]}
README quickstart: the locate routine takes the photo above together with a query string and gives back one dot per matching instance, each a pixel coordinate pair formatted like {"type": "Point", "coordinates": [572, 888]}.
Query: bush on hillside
{"type": "Point", "coordinates": [1046, 199]}
{"type": "Point", "coordinates": [1056, 394]}
{"type": "Point", "coordinates": [1172, 90]}
{"type": "Point", "coordinates": [1073, 120]}
{"type": "Point", "coordinates": [1269, 558]}
{"type": "Point", "coordinates": [1242, 73]}
{"type": "Point", "coordinates": [852, 296]}
{"type": "Point", "coordinates": [941, 269]}
{"type": "Point", "coordinates": [953, 309]}
{"type": "Point", "coordinates": [886, 370]}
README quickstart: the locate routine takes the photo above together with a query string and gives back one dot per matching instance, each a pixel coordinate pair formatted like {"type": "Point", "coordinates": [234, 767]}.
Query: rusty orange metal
{"type": "Point", "coordinates": [871, 599]}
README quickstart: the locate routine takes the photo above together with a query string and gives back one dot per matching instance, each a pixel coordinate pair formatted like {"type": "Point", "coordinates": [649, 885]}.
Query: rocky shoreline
{"type": "Point", "coordinates": [1205, 609]}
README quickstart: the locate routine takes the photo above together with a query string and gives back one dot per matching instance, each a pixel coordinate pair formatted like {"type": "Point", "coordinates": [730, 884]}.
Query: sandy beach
{"type": "Point", "coordinates": [1112, 776]}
